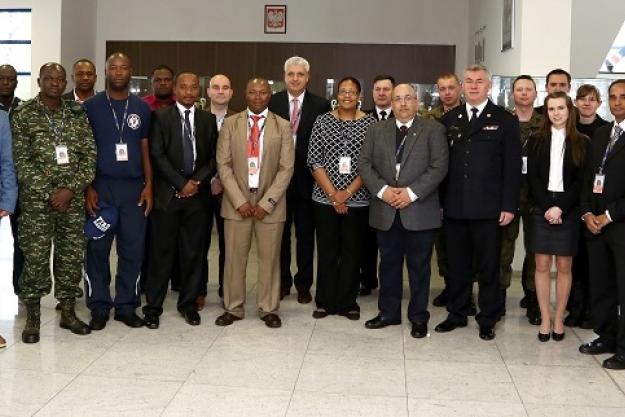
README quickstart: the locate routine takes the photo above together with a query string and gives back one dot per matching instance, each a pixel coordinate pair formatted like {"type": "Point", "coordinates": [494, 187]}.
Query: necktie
{"type": "Point", "coordinates": [473, 120]}
{"type": "Point", "coordinates": [616, 134]}
{"type": "Point", "coordinates": [383, 116]}
{"type": "Point", "coordinates": [253, 144]}
{"type": "Point", "coordinates": [187, 145]}
{"type": "Point", "coordinates": [295, 116]}
{"type": "Point", "coordinates": [403, 131]}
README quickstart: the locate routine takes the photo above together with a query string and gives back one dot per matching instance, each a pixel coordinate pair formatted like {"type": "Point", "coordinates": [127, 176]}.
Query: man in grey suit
{"type": "Point", "coordinates": [403, 161]}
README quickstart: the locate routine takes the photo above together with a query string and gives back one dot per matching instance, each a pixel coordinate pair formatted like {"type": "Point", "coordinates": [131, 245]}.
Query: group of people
{"type": "Point", "coordinates": [152, 174]}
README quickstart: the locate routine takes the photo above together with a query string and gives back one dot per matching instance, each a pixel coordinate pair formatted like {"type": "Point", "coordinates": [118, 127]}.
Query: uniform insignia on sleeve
{"type": "Point", "coordinates": [134, 121]}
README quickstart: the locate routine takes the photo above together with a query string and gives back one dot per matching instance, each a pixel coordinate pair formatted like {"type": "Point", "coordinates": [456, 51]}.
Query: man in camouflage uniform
{"type": "Point", "coordinates": [449, 91]}
{"type": "Point", "coordinates": [55, 158]}
{"type": "Point", "coordinates": [524, 94]}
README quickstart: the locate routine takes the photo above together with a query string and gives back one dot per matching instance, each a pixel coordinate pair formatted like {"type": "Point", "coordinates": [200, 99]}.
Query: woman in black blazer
{"type": "Point", "coordinates": [554, 172]}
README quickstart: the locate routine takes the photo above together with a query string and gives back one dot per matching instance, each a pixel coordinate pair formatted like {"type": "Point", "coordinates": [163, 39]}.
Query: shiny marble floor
{"type": "Point", "coordinates": [330, 367]}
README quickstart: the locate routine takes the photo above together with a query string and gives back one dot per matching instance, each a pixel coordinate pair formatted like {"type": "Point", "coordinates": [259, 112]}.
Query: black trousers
{"type": "Point", "coordinates": [18, 255]}
{"type": "Point", "coordinates": [578, 304]}
{"type": "Point", "coordinates": [397, 244]}
{"type": "Point", "coordinates": [473, 248]}
{"type": "Point", "coordinates": [339, 250]}
{"type": "Point", "coordinates": [369, 266]}
{"type": "Point", "coordinates": [182, 229]}
{"type": "Point", "coordinates": [299, 212]}
{"type": "Point", "coordinates": [606, 256]}
{"type": "Point", "coordinates": [215, 212]}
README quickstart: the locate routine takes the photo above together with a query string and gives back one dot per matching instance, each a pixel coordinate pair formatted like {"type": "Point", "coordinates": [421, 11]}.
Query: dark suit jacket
{"type": "Point", "coordinates": [313, 106]}
{"type": "Point", "coordinates": [484, 175]}
{"type": "Point", "coordinates": [166, 150]}
{"type": "Point", "coordinates": [423, 167]}
{"type": "Point", "coordinates": [538, 163]}
{"type": "Point", "coordinates": [613, 196]}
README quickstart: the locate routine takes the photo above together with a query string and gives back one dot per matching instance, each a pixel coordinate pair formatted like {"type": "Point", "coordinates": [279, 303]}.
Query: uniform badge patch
{"type": "Point", "coordinates": [134, 121]}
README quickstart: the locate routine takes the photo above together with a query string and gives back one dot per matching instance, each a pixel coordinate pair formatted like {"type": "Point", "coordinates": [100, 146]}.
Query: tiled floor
{"type": "Point", "coordinates": [331, 367]}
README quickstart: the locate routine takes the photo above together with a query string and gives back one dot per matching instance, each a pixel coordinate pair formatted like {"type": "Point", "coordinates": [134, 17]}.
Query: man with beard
{"type": "Point", "coordinates": [84, 77]}
{"type": "Point", "coordinates": [120, 123]}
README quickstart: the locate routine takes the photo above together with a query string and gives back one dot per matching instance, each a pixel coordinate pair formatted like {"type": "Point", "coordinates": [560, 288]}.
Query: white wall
{"type": "Point", "coordinates": [78, 31]}
{"type": "Point", "coordinates": [46, 33]}
{"type": "Point", "coordinates": [365, 21]}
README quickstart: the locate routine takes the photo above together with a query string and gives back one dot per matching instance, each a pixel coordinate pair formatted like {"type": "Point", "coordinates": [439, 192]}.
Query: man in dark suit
{"type": "Point", "coordinates": [603, 205]}
{"type": "Point", "coordinates": [481, 195]}
{"type": "Point", "coordinates": [182, 147]}
{"type": "Point", "coordinates": [301, 108]}
{"type": "Point", "coordinates": [84, 77]}
{"type": "Point", "coordinates": [383, 85]}
{"type": "Point", "coordinates": [405, 211]}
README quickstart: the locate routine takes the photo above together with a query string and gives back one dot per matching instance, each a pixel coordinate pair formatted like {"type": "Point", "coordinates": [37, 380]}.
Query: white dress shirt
{"type": "Point", "coordinates": [479, 107]}
{"type": "Point", "coordinates": [181, 110]}
{"type": "Point", "coordinates": [556, 160]}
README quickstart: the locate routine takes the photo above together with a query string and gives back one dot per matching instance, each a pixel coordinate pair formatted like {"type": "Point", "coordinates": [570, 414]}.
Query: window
{"type": "Point", "coordinates": [614, 62]}
{"type": "Point", "coordinates": [15, 45]}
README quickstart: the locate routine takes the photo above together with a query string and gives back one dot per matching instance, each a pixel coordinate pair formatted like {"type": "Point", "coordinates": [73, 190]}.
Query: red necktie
{"type": "Point", "coordinates": [253, 144]}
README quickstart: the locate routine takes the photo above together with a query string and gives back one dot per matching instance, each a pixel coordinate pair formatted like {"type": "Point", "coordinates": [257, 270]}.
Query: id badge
{"type": "Point", "coordinates": [62, 156]}
{"type": "Point", "coordinates": [345, 165]}
{"type": "Point", "coordinates": [397, 169]}
{"type": "Point", "coordinates": [253, 171]}
{"type": "Point", "coordinates": [121, 151]}
{"type": "Point", "coordinates": [524, 165]}
{"type": "Point", "coordinates": [597, 184]}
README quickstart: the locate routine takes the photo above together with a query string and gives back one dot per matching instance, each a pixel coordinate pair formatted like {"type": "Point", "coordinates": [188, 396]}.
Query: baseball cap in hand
{"type": "Point", "coordinates": [104, 222]}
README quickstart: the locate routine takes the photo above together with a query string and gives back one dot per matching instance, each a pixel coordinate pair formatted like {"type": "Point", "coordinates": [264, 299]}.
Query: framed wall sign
{"type": "Point", "coordinates": [275, 18]}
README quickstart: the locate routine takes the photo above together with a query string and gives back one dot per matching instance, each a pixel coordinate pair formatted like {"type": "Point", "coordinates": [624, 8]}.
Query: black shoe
{"type": "Point", "coordinates": [441, 299]}
{"type": "Point", "coordinates": [320, 313]}
{"type": "Point", "coordinates": [351, 314]}
{"type": "Point", "coordinates": [151, 321]}
{"type": "Point", "coordinates": [419, 330]}
{"type": "Point", "coordinates": [379, 322]}
{"type": "Point", "coordinates": [487, 332]}
{"type": "Point", "coordinates": [284, 292]}
{"type": "Point", "coordinates": [448, 325]}
{"type": "Point", "coordinates": [226, 319]}
{"type": "Point", "coordinates": [220, 292]}
{"type": "Point", "coordinates": [586, 324]}
{"type": "Point", "coordinates": [597, 347]}
{"type": "Point", "coordinates": [558, 337]}
{"type": "Point", "coordinates": [533, 317]}
{"type": "Point", "coordinates": [616, 362]}
{"type": "Point", "coordinates": [544, 337]}
{"type": "Point", "coordinates": [365, 291]}
{"type": "Point", "coordinates": [130, 319]}
{"type": "Point", "coordinates": [272, 320]}
{"type": "Point", "coordinates": [192, 318]}
{"type": "Point", "coordinates": [523, 302]}
{"type": "Point", "coordinates": [571, 320]}
{"type": "Point", "coordinates": [98, 322]}
{"type": "Point", "coordinates": [304, 296]}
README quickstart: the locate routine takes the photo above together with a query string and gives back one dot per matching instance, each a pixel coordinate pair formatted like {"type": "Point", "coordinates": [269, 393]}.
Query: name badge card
{"type": "Point", "coordinates": [121, 152]}
{"type": "Point", "coordinates": [62, 156]}
{"type": "Point", "coordinates": [524, 165]}
{"type": "Point", "coordinates": [253, 171]}
{"type": "Point", "coordinates": [345, 165]}
{"type": "Point", "coordinates": [597, 184]}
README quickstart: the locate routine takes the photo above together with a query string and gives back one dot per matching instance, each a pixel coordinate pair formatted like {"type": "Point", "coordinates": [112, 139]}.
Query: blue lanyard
{"type": "Point", "coordinates": [120, 127]}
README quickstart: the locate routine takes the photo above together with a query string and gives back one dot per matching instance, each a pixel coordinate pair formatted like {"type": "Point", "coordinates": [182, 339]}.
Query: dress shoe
{"type": "Point", "coordinates": [533, 317]}
{"type": "Point", "coordinates": [571, 320]}
{"type": "Point", "coordinates": [419, 330]}
{"type": "Point", "coordinates": [448, 325]}
{"type": "Point", "coordinates": [441, 299]}
{"type": "Point", "coordinates": [151, 321]}
{"type": "Point", "coordinates": [379, 322]}
{"type": "Point", "coordinates": [98, 322]}
{"type": "Point", "coordinates": [303, 296]}
{"type": "Point", "coordinates": [558, 337]}
{"type": "Point", "coordinates": [544, 337]}
{"type": "Point", "coordinates": [220, 292]}
{"type": "Point", "coordinates": [365, 291]}
{"type": "Point", "coordinates": [320, 313]}
{"type": "Point", "coordinates": [597, 347]}
{"type": "Point", "coordinates": [226, 319]}
{"type": "Point", "coordinates": [523, 302]}
{"type": "Point", "coordinates": [351, 314]}
{"type": "Point", "coordinates": [130, 319]}
{"type": "Point", "coordinates": [192, 318]}
{"type": "Point", "coordinates": [616, 362]}
{"type": "Point", "coordinates": [200, 302]}
{"type": "Point", "coordinates": [586, 324]}
{"type": "Point", "coordinates": [272, 320]}
{"type": "Point", "coordinates": [284, 292]}
{"type": "Point", "coordinates": [487, 332]}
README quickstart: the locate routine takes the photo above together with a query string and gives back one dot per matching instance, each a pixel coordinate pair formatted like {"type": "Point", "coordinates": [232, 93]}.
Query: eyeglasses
{"type": "Point", "coordinates": [405, 99]}
{"type": "Point", "coordinates": [352, 93]}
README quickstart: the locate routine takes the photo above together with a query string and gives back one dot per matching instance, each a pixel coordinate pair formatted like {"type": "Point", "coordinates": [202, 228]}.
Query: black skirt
{"type": "Point", "coordinates": [554, 239]}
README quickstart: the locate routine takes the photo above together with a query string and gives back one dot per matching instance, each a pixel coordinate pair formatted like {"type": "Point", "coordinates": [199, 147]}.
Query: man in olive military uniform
{"type": "Point", "coordinates": [523, 94]}
{"type": "Point", "coordinates": [55, 159]}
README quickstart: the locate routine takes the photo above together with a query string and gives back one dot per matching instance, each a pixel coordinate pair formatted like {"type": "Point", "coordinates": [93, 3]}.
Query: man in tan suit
{"type": "Point", "coordinates": [255, 157]}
